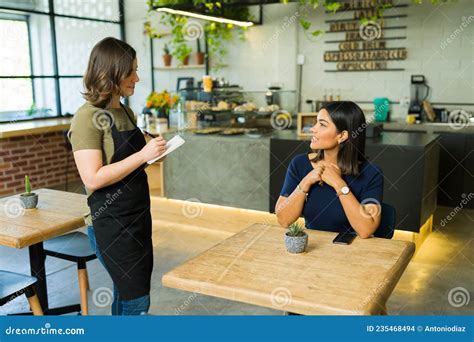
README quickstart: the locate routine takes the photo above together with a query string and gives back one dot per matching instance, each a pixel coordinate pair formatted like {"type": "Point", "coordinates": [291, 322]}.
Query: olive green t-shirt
{"type": "Point", "coordinates": [91, 129]}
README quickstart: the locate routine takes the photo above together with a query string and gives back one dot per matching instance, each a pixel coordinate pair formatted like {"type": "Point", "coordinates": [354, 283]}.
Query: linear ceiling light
{"type": "Point", "coordinates": [206, 17]}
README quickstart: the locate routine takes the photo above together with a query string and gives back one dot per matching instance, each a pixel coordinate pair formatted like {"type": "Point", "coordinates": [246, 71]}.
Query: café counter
{"type": "Point", "coordinates": [245, 172]}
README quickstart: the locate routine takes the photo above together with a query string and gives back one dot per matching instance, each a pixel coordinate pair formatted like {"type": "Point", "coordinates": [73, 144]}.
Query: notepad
{"type": "Point", "coordinates": [172, 144]}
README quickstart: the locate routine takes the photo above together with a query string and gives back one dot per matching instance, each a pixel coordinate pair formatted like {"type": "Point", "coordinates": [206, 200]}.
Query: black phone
{"type": "Point", "coordinates": [344, 238]}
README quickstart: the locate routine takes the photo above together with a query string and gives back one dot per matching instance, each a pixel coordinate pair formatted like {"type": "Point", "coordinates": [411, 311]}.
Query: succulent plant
{"type": "Point", "coordinates": [295, 229]}
{"type": "Point", "coordinates": [27, 185]}
{"type": "Point", "coordinates": [166, 49]}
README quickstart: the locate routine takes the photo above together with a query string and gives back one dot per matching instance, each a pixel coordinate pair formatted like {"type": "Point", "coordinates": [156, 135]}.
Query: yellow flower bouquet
{"type": "Point", "coordinates": [162, 101]}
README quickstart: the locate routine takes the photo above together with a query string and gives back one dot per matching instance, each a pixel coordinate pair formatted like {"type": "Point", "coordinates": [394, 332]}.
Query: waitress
{"type": "Point", "coordinates": [111, 153]}
{"type": "Point", "coordinates": [335, 188]}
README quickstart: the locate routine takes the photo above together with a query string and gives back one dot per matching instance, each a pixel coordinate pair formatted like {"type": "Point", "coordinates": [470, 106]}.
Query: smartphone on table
{"type": "Point", "coordinates": [344, 238]}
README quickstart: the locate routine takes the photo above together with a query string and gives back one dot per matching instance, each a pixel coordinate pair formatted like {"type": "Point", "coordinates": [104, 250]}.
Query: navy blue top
{"type": "Point", "coordinates": [323, 210]}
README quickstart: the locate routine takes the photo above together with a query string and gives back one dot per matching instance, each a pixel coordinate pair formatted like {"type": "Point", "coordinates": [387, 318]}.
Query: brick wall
{"type": "Point", "coordinates": [42, 157]}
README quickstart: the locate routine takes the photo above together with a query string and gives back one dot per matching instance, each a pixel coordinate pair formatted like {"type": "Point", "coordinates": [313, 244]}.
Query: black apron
{"type": "Point", "coordinates": [122, 221]}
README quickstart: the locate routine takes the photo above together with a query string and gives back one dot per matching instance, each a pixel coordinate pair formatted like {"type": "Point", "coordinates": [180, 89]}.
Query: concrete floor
{"type": "Point", "coordinates": [444, 262]}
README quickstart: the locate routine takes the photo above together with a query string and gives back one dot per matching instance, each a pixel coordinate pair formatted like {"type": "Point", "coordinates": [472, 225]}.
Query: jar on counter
{"type": "Point", "coordinates": [150, 121]}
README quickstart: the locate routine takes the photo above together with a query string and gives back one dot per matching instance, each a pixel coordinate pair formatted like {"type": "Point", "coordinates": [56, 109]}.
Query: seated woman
{"type": "Point", "coordinates": [335, 187]}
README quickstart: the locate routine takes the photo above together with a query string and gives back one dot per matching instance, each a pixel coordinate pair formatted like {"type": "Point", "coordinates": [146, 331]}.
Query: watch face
{"type": "Point", "coordinates": [345, 190]}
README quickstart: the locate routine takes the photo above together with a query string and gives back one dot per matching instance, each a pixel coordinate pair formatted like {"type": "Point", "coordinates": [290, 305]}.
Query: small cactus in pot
{"type": "Point", "coordinates": [28, 199]}
{"type": "Point", "coordinates": [296, 239]}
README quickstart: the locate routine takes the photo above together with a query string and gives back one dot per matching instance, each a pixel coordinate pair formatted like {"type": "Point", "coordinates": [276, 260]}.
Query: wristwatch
{"type": "Point", "coordinates": [304, 192]}
{"type": "Point", "coordinates": [343, 191]}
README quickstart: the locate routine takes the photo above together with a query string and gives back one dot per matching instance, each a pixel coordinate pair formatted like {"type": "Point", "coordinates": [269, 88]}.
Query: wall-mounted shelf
{"type": "Point", "coordinates": [352, 19]}
{"type": "Point", "coordinates": [363, 40]}
{"type": "Point", "coordinates": [181, 67]}
{"type": "Point", "coordinates": [392, 69]}
{"type": "Point", "coordinates": [383, 28]}
{"type": "Point", "coordinates": [366, 8]}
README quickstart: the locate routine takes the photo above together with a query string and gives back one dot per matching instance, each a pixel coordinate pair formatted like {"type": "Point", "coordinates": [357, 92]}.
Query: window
{"type": "Point", "coordinates": [16, 94]}
{"type": "Point", "coordinates": [45, 47]}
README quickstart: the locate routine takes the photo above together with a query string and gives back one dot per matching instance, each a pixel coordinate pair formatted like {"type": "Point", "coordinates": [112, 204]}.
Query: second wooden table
{"type": "Point", "coordinates": [254, 267]}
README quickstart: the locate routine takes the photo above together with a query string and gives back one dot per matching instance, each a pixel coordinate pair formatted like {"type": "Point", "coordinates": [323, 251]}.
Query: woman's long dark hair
{"type": "Point", "coordinates": [110, 62]}
{"type": "Point", "coordinates": [347, 116]}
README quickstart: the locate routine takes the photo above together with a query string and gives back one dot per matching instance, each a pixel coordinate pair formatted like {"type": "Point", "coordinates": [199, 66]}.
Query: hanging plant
{"type": "Point", "coordinates": [332, 6]}
{"type": "Point", "coordinates": [217, 34]}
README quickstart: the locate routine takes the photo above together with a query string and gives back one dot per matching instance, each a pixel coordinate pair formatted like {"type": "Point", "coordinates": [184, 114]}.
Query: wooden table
{"type": "Point", "coordinates": [254, 267]}
{"type": "Point", "coordinates": [58, 212]}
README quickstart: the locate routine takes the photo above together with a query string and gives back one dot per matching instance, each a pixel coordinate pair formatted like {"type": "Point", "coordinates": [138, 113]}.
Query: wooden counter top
{"type": "Point", "coordinates": [16, 129]}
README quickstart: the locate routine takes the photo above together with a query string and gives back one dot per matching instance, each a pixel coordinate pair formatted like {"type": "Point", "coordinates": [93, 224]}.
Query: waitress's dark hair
{"type": "Point", "coordinates": [347, 116]}
{"type": "Point", "coordinates": [110, 62]}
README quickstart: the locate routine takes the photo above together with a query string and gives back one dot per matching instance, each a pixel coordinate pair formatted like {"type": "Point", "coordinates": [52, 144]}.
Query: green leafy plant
{"type": "Point", "coordinates": [295, 229]}
{"type": "Point", "coordinates": [27, 186]}
{"type": "Point", "coordinates": [216, 34]}
{"type": "Point", "coordinates": [182, 51]}
{"type": "Point", "coordinates": [333, 6]}
{"type": "Point", "coordinates": [35, 110]}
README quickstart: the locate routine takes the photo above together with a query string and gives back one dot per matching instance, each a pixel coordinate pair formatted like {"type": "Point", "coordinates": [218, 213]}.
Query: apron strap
{"type": "Point", "coordinates": [128, 116]}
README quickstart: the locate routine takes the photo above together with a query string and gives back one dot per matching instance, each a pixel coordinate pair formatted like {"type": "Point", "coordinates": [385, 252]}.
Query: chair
{"type": "Point", "coordinates": [387, 222]}
{"type": "Point", "coordinates": [74, 247]}
{"type": "Point", "coordinates": [15, 285]}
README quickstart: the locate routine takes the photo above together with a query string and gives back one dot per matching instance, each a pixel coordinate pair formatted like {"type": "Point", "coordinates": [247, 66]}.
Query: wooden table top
{"type": "Point", "coordinates": [254, 267]}
{"type": "Point", "coordinates": [58, 212]}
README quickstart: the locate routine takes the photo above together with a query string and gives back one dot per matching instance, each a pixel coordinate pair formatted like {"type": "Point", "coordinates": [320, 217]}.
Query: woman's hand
{"type": "Point", "coordinates": [313, 177]}
{"type": "Point", "coordinates": [153, 149]}
{"type": "Point", "coordinates": [332, 176]}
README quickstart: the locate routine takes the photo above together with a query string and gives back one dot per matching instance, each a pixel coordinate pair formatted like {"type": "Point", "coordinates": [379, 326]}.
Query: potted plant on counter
{"type": "Point", "coordinates": [182, 52]}
{"type": "Point", "coordinates": [28, 199]}
{"type": "Point", "coordinates": [296, 239]}
{"type": "Point", "coordinates": [160, 104]}
{"type": "Point", "coordinates": [167, 56]}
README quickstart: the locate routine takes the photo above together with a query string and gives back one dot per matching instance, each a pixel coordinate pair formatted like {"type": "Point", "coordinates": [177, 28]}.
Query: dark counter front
{"type": "Point", "coordinates": [456, 159]}
{"type": "Point", "coordinates": [409, 162]}
{"type": "Point", "coordinates": [248, 173]}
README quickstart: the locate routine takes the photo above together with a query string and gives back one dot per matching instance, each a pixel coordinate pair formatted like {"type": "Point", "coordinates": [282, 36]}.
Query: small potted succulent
{"type": "Point", "coordinates": [296, 239]}
{"type": "Point", "coordinates": [28, 199]}
{"type": "Point", "coordinates": [167, 56]}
